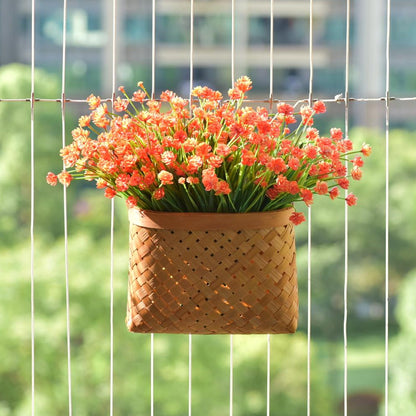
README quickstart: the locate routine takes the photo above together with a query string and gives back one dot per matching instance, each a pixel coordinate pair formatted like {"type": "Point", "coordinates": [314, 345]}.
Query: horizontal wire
{"type": "Point", "coordinates": [298, 101]}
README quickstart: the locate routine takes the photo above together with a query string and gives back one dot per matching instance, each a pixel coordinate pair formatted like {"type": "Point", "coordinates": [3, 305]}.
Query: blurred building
{"type": "Point", "coordinates": [89, 44]}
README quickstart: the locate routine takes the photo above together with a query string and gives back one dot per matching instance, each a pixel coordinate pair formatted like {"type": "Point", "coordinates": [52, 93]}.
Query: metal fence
{"type": "Point", "coordinates": [344, 99]}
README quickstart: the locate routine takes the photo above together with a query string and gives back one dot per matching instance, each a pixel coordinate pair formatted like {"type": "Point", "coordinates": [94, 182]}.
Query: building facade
{"type": "Point", "coordinates": [89, 45]}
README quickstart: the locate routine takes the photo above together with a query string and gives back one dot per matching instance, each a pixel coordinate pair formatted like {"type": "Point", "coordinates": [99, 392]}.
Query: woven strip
{"type": "Point", "coordinates": [212, 282]}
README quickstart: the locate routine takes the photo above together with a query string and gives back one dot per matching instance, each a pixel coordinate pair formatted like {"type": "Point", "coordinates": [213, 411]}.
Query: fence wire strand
{"type": "Point", "coordinates": [387, 214]}
{"type": "Point", "coordinates": [191, 81]}
{"type": "Point", "coordinates": [271, 80]}
{"type": "Point", "coordinates": [346, 230]}
{"type": "Point", "coordinates": [310, 100]}
{"type": "Point", "coordinates": [231, 398]}
{"type": "Point", "coordinates": [65, 212]}
{"type": "Point", "coordinates": [32, 211]}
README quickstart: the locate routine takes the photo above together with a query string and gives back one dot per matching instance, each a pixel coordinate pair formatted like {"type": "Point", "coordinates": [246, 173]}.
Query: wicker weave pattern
{"type": "Point", "coordinates": [212, 282]}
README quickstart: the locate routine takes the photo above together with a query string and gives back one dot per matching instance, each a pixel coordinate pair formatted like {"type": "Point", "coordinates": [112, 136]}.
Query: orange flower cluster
{"type": "Point", "coordinates": [210, 155]}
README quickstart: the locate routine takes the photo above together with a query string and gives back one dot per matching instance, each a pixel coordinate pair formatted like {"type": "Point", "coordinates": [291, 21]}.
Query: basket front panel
{"type": "Point", "coordinates": [212, 281]}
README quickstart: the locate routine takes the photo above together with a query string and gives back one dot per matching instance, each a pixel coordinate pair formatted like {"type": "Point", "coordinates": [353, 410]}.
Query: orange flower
{"type": "Point", "coordinates": [311, 151]}
{"type": "Point", "coordinates": [215, 161]}
{"type": "Point", "coordinates": [356, 173]}
{"type": "Point", "coordinates": [366, 150]}
{"type": "Point", "coordinates": [351, 199]}
{"type": "Point", "coordinates": [192, 180]}
{"type": "Point", "coordinates": [306, 112]}
{"type": "Point", "coordinates": [312, 133]}
{"type": "Point", "coordinates": [321, 188]}
{"type": "Point", "coordinates": [235, 94]}
{"type": "Point", "coordinates": [139, 96]}
{"type": "Point", "coordinates": [203, 150]}
{"type": "Point", "coordinates": [120, 105]}
{"type": "Point", "coordinates": [131, 202]}
{"type": "Point", "coordinates": [319, 107]}
{"type": "Point", "coordinates": [101, 183]}
{"type": "Point", "coordinates": [159, 193]}
{"type": "Point", "coordinates": [307, 196]}
{"type": "Point", "coordinates": [336, 134]}
{"type": "Point", "coordinates": [333, 193]}
{"type": "Point", "coordinates": [222, 150]}
{"type": "Point", "coordinates": [65, 178]}
{"type": "Point", "coordinates": [165, 177]}
{"type": "Point", "coordinates": [110, 193]}
{"type": "Point", "coordinates": [344, 183]}
{"type": "Point", "coordinates": [168, 158]}
{"type": "Point", "coordinates": [277, 165]}
{"type": "Point", "coordinates": [209, 179]}
{"type": "Point", "coordinates": [222, 188]}
{"type": "Point", "coordinates": [357, 161]}
{"type": "Point", "coordinates": [122, 182]}
{"type": "Point", "coordinates": [225, 147]}
{"type": "Point", "coordinates": [70, 154]}
{"type": "Point", "coordinates": [297, 218]}
{"type": "Point", "coordinates": [293, 163]}
{"type": "Point", "coordinates": [273, 192]}
{"type": "Point", "coordinates": [93, 101]}
{"type": "Point", "coordinates": [248, 158]}
{"type": "Point", "coordinates": [194, 163]}
{"type": "Point", "coordinates": [167, 96]}
{"type": "Point", "coordinates": [51, 179]}
{"type": "Point", "coordinates": [285, 109]}
{"type": "Point", "coordinates": [99, 116]}
{"type": "Point", "coordinates": [243, 84]}
{"type": "Point", "coordinates": [84, 121]}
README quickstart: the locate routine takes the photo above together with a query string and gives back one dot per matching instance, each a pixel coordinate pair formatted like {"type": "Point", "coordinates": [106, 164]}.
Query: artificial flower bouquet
{"type": "Point", "coordinates": [203, 157]}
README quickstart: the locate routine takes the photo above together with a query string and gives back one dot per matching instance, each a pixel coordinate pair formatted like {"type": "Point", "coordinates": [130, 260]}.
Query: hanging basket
{"type": "Point", "coordinates": [209, 273]}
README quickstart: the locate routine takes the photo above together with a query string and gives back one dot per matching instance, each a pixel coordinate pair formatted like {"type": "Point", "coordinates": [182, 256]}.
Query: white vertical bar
{"type": "Point", "coordinates": [113, 93]}
{"type": "Point", "coordinates": [191, 50]}
{"type": "Point", "coordinates": [271, 51]}
{"type": "Point", "coordinates": [345, 323]}
{"type": "Point", "coordinates": [113, 65]}
{"type": "Point", "coordinates": [271, 108]}
{"type": "Point", "coordinates": [152, 337]}
{"type": "Point", "coordinates": [153, 46]}
{"type": "Point", "coordinates": [386, 363]}
{"type": "Point", "coordinates": [308, 387]}
{"type": "Point", "coordinates": [310, 51]}
{"type": "Point", "coordinates": [32, 211]}
{"type": "Point", "coordinates": [191, 81]}
{"type": "Point", "coordinates": [63, 105]}
{"type": "Point", "coordinates": [152, 374]}
{"type": "Point", "coordinates": [231, 376]}
{"type": "Point", "coordinates": [268, 377]}
{"type": "Point", "coordinates": [232, 41]}
{"type": "Point", "coordinates": [190, 375]}
{"type": "Point", "coordinates": [232, 82]}
{"type": "Point", "coordinates": [112, 310]}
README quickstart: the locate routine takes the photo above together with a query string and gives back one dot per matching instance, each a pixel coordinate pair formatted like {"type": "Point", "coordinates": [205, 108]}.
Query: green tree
{"type": "Point", "coordinates": [366, 248]}
{"type": "Point", "coordinates": [15, 162]}
{"type": "Point", "coordinates": [15, 150]}
{"type": "Point", "coordinates": [89, 282]}
{"type": "Point", "coordinates": [403, 355]}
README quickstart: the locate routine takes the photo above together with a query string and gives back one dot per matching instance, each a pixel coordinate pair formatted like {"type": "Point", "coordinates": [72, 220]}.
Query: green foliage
{"type": "Point", "coordinates": [15, 150]}
{"type": "Point", "coordinates": [89, 283]}
{"type": "Point", "coordinates": [403, 355]}
{"type": "Point", "coordinates": [366, 239]}
{"type": "Point", "coordinates": [89, 221]}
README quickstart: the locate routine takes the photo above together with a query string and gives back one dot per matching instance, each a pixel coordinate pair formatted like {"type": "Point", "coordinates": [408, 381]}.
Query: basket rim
{"type": "Point", "coordinates": [208, 221]}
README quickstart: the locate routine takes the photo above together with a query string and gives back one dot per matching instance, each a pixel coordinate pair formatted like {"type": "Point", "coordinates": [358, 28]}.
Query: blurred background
{"type": "Point", "coordinates": [89, 69]}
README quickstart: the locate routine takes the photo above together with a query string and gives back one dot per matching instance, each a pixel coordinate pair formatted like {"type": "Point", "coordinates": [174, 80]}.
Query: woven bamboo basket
{"type": "Point", "coordinates": [209, 273]}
